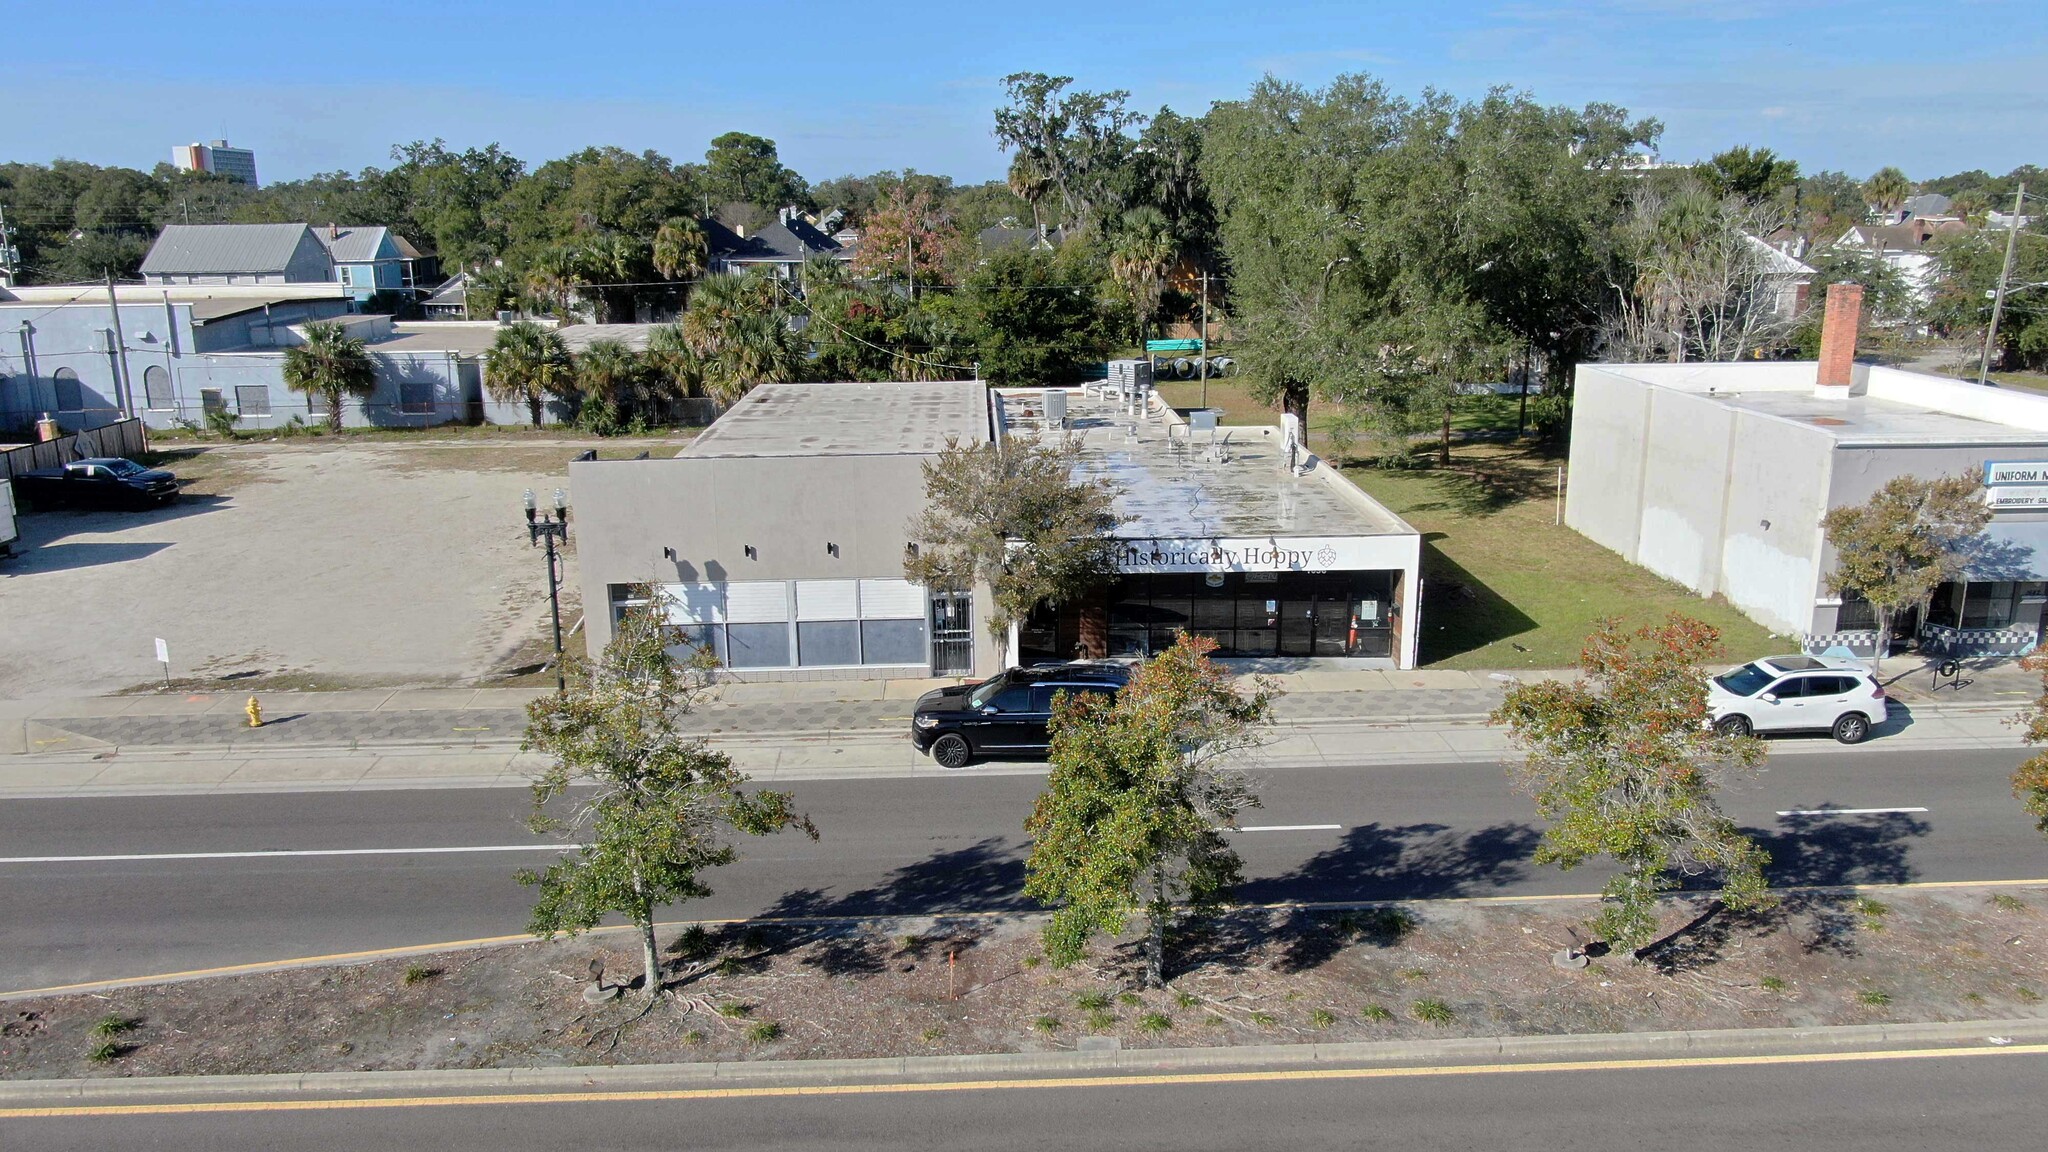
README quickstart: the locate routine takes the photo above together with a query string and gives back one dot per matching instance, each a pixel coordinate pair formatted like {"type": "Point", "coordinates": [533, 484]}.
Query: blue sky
{"type": "Point", "coordinates": [1931, 87]}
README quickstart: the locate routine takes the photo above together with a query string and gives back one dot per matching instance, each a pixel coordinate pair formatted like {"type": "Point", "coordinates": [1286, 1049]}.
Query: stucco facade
{"type": "Point", "coordinates": [1717, 476]}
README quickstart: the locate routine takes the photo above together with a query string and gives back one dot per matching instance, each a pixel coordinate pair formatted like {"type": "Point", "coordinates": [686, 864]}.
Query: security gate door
{"type": "Point", "coordinates": [952, 634]}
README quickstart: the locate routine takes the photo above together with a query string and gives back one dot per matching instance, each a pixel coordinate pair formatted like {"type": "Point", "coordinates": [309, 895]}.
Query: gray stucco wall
{"type": "Point", "coordinates": [710, 509]}
{"type": "Point", "coordinates": [1603, 490]}
{"type": "Point", "coordinates": [1716, 499]}
{"type": "Point", "coordinates": [1771, 539]}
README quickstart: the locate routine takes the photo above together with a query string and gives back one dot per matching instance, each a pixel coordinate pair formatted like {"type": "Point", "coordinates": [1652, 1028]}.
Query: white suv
{"type": "Point", "coordinates": [1795, 693]}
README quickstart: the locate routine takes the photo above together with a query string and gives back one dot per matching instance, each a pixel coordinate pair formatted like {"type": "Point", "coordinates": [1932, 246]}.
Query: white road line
{"type": "Point", "coordinates": [1292, 828]}
{"type": "Point", "coordinates": [1847, 811]}
{"type": "Point", "coordinates": [285, 852]}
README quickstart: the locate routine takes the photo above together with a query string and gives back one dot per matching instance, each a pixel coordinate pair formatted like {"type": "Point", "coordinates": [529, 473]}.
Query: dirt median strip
{"type": "Point", "coordinates": [406, 951]}
{"type": "Point", "coordinates": [1112, 1068]}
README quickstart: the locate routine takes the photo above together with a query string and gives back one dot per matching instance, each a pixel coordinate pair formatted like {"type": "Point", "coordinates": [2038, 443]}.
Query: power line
{"type": "Point", "coordinates": [891, 352]}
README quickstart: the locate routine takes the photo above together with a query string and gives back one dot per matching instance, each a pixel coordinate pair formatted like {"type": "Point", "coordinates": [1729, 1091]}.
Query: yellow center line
{"type": "Point", "coordinates": [1299, 1075]}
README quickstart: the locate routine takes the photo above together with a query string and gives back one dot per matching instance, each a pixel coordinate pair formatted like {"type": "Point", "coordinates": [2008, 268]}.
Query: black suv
{"type": "Point", "coordinates": [1004, 714]}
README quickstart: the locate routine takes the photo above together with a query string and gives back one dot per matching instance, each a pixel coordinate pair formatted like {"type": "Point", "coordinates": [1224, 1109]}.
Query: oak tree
{"type": "Point", "coordinates": [1011, 515]}
{"type": "Point", "coordinates": [1623, 764]}
{"type": "Point", "coordinates": [652, 806]}
{"type": "Point", "coordinates": [1134, 816]}
{"type": "Point", "coordinates": [2030, 780]}
{"type": "Point", "coordinates": [1908, 539]}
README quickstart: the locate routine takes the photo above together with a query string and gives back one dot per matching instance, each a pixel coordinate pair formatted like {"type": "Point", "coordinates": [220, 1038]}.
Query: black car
{"type": "Point", "coordinates": [1004, 714]}
{"type": "Point", "coordinates": [97, 482]}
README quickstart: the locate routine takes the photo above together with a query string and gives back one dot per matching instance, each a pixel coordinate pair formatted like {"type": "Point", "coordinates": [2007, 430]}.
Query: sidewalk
{"type": "Point", "coordinates": [493, 718]}
{"type": "Point", "coordinates": [1357, 744]}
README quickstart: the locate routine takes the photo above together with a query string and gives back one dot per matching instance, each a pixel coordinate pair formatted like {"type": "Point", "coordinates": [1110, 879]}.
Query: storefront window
{"type": "Point", "coordinates": [1946, 609]}
{"type": "Point", "coordinates": [1855, 615]}
{"type": "Point", "coordinates": [1257, 614]}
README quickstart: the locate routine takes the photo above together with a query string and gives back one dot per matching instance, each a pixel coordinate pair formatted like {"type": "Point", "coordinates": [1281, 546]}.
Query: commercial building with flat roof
{"type": "Point", "coordinates": [1717, 476]}
{"type": "Point", "coordinates": [217, 157]}
{"type": "Point", "coordinates": [777, 539]}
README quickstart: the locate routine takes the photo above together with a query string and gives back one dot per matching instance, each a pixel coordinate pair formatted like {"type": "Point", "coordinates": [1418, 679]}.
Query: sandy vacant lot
{"type": "Point", "coordinates": [290, 564]}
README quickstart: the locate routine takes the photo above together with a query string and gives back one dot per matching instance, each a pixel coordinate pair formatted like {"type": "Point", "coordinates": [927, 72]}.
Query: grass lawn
{"type": "Point", "coordinates": [2033, 381]}
{"type": "Point", "coordinates": [1505, 587]}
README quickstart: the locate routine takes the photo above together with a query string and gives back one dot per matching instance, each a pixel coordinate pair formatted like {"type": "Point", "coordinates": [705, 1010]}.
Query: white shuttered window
{"type": "Point", "coordinates": [693, 603]}
{"type": "Point", "coordinates": [757, 602]}
{"type": "Point", "coordinates": [826, 600]}
{"type": "Point", "coordinates": [891, 600]}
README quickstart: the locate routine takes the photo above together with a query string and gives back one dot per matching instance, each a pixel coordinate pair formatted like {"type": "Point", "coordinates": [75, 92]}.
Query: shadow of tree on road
{"type": "Point", "coordinates": [1375, 862]}
{"type": "Point", "coordinates": [987, 876]}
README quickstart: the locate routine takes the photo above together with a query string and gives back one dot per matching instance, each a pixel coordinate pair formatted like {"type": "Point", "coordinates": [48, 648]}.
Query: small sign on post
{"type": "Point", "coordinates": [163, 657]}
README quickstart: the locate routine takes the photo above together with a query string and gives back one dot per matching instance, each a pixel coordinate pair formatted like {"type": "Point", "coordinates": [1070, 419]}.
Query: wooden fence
{"type": "Point", "coordinates": [121, 438]}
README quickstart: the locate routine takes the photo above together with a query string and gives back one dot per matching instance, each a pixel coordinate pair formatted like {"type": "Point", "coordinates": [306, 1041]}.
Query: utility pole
{"type": "Point", "coordinates": [2012, 233]}
{"type": "Point", "coordinates": [9, 254]}
{"type": "Point", "coordinates": [124, 387]}
{"type": "Point", "coordinates": [910, 259]}
{"type": "Point", "coordinates": [1205, 339]}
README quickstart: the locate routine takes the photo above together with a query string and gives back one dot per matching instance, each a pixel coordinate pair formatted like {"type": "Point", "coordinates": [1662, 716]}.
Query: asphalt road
{"type": "Point", "coordinates": [1415, 831]}
{"type": "Point", "coordinates": [1982, 1101]}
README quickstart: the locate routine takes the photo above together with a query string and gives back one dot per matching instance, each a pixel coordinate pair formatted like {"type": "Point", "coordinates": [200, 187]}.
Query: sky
{"type": "Point", "coordinates": [843, 88]}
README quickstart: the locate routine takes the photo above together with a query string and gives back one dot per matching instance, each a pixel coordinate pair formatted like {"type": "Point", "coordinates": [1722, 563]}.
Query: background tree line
{"type": "Point", "coordinates": [1365, 250]}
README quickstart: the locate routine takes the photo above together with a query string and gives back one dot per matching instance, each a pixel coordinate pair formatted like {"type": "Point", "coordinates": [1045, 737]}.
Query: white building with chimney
{"type": "Point", "coordinates": [1716, 476]}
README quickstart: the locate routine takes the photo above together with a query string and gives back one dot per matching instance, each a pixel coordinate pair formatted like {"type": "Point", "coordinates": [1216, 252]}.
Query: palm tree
{"type": "Point", "coordinates": [674, 367]}
{"type": "Point", "coordinates": [492, 290]}
{"type": "Point", "coordinates": [1887, 189]}
{"type": "Point", "coordinates": [755, 348]}
{"type": "Point", "coordinates": [526, 364]}
{"type": "Point", "coordinates": [330, 364]}
{"type": "Point", "coordinates": [1140, 258]}
{"type": "Point", "coordinates": [551, 277]}
{"type": "Point", "coordinates": [609, 371]}
{"type": "Point", "coordinates": [739, 336]}
{"type": "Point", "coordinates": [1028, 182]}
{"type": "Point", "coordinates": [611, 260]}
{"type": "Point", "coordinates": [681, 249]}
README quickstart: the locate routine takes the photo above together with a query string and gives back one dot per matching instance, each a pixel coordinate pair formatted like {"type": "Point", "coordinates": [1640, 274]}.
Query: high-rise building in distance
{"type": "Point", "coordinates": [233, 163]}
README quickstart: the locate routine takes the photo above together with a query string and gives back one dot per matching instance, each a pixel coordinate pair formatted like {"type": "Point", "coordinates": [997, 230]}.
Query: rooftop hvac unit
{"type": "Point", "coordinates": [1055, 408]}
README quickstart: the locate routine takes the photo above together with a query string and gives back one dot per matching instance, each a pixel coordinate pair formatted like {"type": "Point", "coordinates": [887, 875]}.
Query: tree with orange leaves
{"type": "Point", "coordinates": [2030, 781]}
{"type": "Point", "coordinates": [1624, 765]}
{"type": "Point", "coordinates": [908, 236]}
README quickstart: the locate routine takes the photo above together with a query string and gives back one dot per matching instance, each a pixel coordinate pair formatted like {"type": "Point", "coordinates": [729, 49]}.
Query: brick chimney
{"type": "Point", "coordinates": [1837, 376]}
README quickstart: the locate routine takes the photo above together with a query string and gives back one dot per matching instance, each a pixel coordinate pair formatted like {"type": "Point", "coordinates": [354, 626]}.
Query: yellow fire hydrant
{"type": "Point", "coordinates": [255, 712]}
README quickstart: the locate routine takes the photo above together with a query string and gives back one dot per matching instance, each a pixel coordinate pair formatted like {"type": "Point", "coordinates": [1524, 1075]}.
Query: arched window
{"type": "Point", "coordinates": [156, 388]}
{"type": "Point", "coordinates": [70, 393]}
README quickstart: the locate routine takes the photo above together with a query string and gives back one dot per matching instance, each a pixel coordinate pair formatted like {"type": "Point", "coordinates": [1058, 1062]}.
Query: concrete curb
{"type": "Point", "coordinates": [1477, 1050]}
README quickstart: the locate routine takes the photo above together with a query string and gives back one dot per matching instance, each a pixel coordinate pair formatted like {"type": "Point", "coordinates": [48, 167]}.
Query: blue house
{"type": "Point", "coordinates": [370, 260]}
